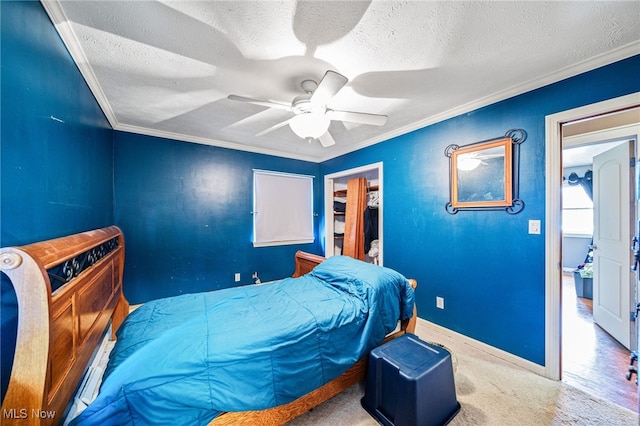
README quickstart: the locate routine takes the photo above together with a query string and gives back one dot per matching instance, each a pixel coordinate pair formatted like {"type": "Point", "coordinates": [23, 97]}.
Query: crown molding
{"type": "Point", "coordinates": [71, 42]}
{"type": "Point", "coordinates": [212, 142]}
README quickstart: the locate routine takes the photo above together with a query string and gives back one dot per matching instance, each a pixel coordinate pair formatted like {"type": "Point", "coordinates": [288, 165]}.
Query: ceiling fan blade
{"type": "Point", "coordinates": [326, 139]}
{"type": "Point", "coordinates": [357, 117]}
{"type": "Point", "coordinates": [330, 84]}
{"type": "Point", "coordinates": [269, 104]}
{"type": "Point", "coordinates": [272, 128]}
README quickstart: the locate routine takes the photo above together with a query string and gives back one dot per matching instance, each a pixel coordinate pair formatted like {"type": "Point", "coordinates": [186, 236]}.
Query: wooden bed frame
{"type": "Point", "coordinates": [60, 330]}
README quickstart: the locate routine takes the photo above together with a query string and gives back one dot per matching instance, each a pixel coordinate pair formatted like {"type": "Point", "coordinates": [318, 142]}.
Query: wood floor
{"type": "Point", "coordinates": [592, 360]}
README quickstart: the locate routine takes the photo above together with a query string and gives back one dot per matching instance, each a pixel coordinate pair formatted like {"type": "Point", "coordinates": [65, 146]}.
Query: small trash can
{"type": "Point", "coordinates": [410, 383]}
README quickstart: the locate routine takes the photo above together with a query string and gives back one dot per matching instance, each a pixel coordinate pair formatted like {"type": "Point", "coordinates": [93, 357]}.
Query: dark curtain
{"type": "Point", "coordinates": [586, 182]}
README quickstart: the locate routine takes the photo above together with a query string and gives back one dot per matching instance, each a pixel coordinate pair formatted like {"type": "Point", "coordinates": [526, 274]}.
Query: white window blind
{"type": "Point", "coordinates": [282, 208]}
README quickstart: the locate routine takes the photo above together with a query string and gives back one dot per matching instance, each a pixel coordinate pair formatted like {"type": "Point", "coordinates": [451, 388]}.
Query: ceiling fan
{"type": "Point", "coordinates": [312, 117]}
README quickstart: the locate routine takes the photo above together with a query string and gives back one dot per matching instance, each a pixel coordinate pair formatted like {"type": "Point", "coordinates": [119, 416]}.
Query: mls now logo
{"type": "Point", "coordinates": [23, 413]}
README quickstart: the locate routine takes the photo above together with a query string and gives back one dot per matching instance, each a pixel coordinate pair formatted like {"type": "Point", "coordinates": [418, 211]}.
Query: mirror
{"type": "Point", "coordinates": [481, 175]}
{"type": "Point", "coordinates": [484, 175]}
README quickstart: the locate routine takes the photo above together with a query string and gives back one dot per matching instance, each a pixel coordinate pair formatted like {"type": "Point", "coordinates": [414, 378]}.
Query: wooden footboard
{"type": "Point", "coordinates": [59, 327]}
{"type": "Point", "coordinates": [305, 262]}
{"type": "Point", "coordinates": [281, 414]}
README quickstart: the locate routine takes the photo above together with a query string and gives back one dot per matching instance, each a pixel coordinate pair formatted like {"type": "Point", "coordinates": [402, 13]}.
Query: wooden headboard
{"type": "Point", "coordinates": [59, 329]}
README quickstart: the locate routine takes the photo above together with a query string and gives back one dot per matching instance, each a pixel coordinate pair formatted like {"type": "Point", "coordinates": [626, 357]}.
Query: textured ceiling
{"type": "Point", "coordinates": [165, 68]}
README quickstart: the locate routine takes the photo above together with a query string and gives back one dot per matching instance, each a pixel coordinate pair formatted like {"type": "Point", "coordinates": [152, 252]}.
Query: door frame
{"type": "Point", "coordinates": [553, 218]}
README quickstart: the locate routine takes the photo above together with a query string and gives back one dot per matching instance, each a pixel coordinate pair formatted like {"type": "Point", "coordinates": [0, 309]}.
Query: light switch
{"type": "Point", "coordinates": [534, 226]}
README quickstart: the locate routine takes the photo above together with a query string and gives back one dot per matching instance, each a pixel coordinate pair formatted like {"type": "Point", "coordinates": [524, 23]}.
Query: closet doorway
{"type": "Point", "coordinates": [337, 219]}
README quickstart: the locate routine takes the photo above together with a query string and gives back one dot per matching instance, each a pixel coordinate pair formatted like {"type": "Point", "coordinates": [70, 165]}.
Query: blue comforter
{"type": "Point", "coordinates": [186, 359]}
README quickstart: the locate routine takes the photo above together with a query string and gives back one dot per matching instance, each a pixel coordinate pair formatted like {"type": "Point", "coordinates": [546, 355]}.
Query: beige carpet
{"type": "Point", "coordinates": [492, 392]}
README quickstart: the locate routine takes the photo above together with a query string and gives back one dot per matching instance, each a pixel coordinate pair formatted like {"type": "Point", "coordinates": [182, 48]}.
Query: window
{"type": "Point", "coordinates": [577, 211]}
{"type": "Point", "coordinates": [282, 208]}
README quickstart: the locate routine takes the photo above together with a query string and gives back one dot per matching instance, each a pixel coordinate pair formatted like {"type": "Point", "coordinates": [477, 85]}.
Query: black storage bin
{"type": "Point", "coordinates": [410, 383]}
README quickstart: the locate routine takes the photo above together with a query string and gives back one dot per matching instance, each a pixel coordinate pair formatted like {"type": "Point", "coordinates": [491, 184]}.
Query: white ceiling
{"type": "Point", "coordinates": [583, 155]}
{"type": "Point", "coordinates": [165, 68]}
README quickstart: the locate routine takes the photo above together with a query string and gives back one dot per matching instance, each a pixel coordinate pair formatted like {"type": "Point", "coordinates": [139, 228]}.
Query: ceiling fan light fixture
{"type": "Point", "coordinates": [468, 163]}
{"type": "Point", "coordinates": [309, 125]}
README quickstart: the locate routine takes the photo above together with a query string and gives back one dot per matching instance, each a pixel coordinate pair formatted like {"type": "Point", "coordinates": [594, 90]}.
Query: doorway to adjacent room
{"type": "Point", "coordinates": [586, 117]}
{"type": "Point", "coordinates": [595, 350]}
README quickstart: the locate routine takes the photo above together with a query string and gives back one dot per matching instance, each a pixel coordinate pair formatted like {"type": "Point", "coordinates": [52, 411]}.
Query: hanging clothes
{"type": "Point", "coordinates": [370, 226]}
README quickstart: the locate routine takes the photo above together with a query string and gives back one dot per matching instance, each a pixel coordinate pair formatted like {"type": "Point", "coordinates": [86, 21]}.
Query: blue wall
{"type": "Point", "coordinates": [487, 267]}
{"type": "Point", "coordinates": [185, 211]}
{"type": "Point", "coordinates": [57, 176]}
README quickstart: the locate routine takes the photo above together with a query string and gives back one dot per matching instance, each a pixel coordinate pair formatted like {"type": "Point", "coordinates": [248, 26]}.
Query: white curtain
{"type": "Point", "coordinates": [282, 208]}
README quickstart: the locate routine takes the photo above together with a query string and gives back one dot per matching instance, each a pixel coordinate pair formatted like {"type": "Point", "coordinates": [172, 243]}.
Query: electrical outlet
{"type": "Point", "coordinates": [440, 302]}
{"type": "Point", "coordinates": [237, 277]}
{"type": "Point", "coordinates": [534, 226]}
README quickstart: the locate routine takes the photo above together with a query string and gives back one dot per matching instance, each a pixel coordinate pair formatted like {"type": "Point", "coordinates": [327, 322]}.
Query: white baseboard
{"type": "Point", "coordinates": [476, 344]}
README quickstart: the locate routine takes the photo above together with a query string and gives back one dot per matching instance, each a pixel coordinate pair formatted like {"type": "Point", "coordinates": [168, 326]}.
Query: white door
{"type": "Point", "coordinates": [612, 186]}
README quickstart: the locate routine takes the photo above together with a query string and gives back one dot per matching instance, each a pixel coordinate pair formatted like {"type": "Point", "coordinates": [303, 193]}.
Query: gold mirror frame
{"type": "Point", "coordinates": [484, 175]}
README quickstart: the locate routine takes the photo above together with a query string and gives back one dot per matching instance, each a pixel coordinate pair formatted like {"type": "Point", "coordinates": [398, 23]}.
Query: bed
{"type": "Point", "coordinates": [61, 325]}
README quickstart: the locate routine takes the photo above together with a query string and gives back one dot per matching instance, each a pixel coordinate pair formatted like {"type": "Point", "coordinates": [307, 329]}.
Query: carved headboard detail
{"type": "Point", "coordinates": [59, 327]}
